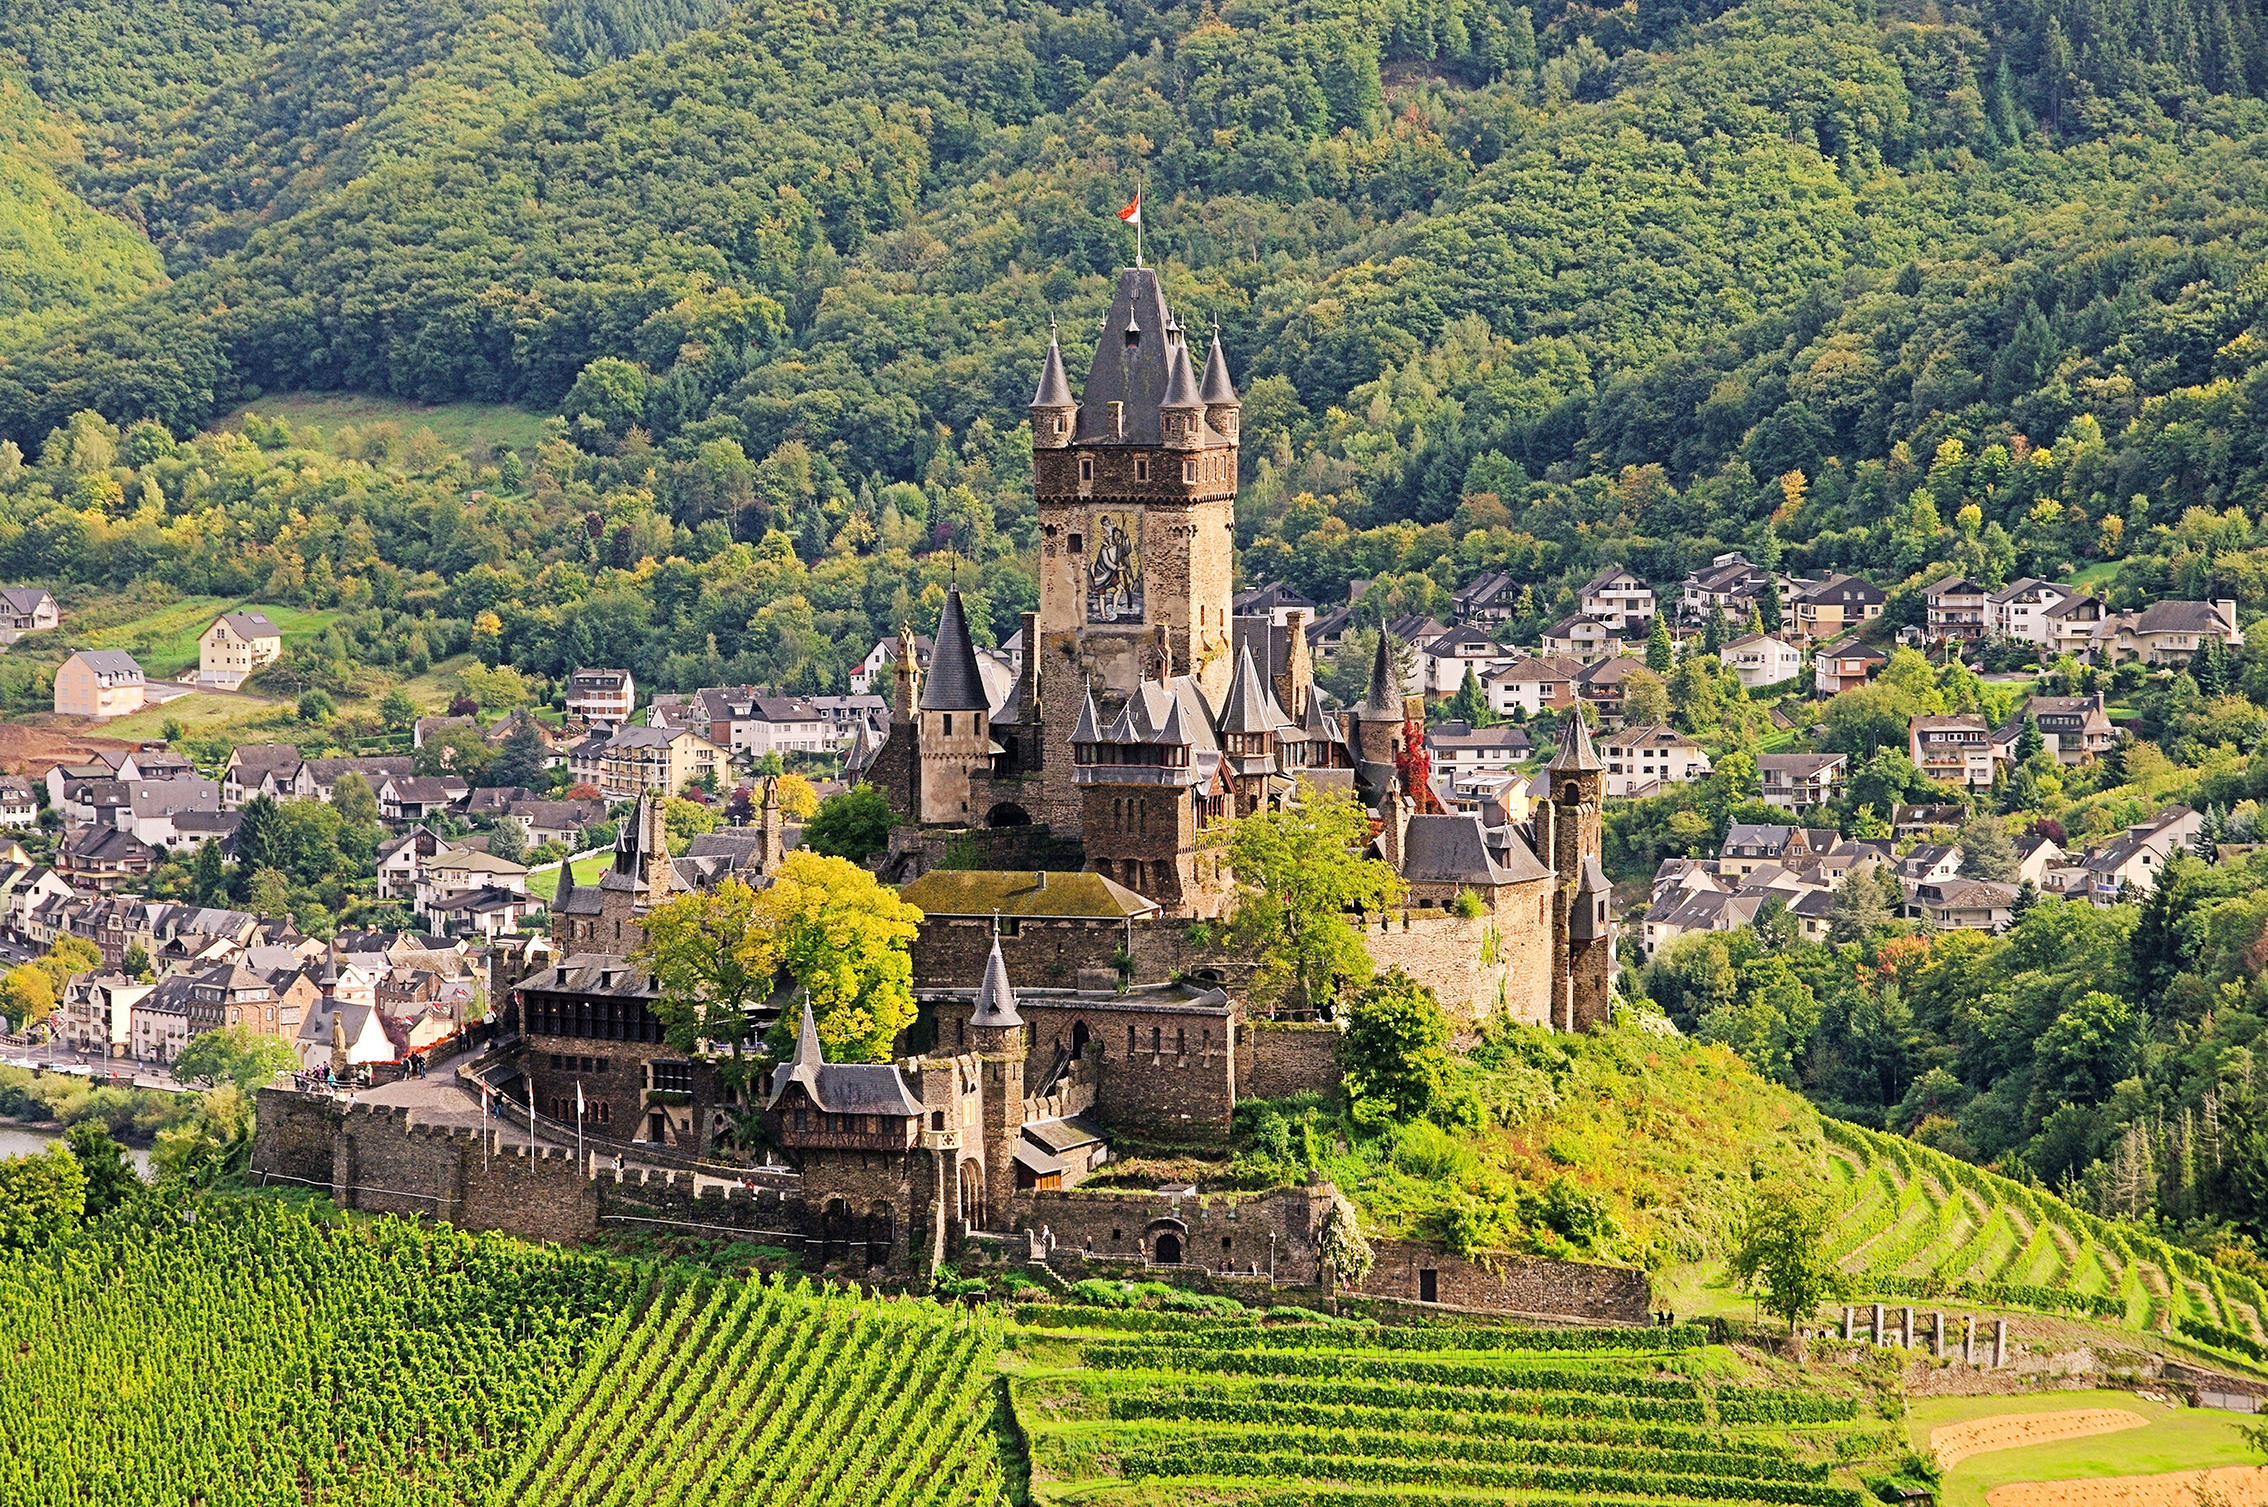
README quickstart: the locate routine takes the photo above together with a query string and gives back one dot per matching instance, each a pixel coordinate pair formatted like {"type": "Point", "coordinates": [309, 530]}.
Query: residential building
{"type": "Point", "coordinates": [153, 807]}
{"type": "Point", "coordinates": [1730, 582]}
{"type": "Point", "coordinates": [433, 727]}
{"type": "Point", "coordinates": [235, 645]}
{"type": "Point", "coordinates": [603, 698]}
{"type": "Point", "coordinates": [1442, 662]}
{"type": "Point", "coordinates": [1797, 781]}
{"type": "Point", "coordinates": [401, 862]}
{"type": "Point", "coordinates": [556, 821]}
{"type": "Point", "coordinates": [416, 798]}
{"type": "Point", "coordinates": [95, 1013]}
{"type": "Point", "coordinates": [1957, 608]}
{"type": "Point", "coordinates": [875, 670]}
{"type": "Point", "coordinates": [1822, 609]}
{"type": "Point", "coordinates": [2130, 862]}
{"type": "Point", "coordinates": [2163, 633]}
{"type": "Point", "coordinates": [103, 858]}
{"type": "Point", "coordinates": [1275, 601]}
{"type": "Point", "coordinates": [1845, 667]}
{"type": "Point", "coordinates": [1963, 904]}
{"type": "Point", "coordinates": [1487, 600]}
{"type": "Point", "coordinates": [1682, 912]}
{"type": "Point", "coordinates": [1640, 760]}
{"type": "Point", "coordinates": [1759, 659]}
{"type": "Point", "coordinates": [2076, 729]}
{"type": "Point", "coordinates": [19, 802]}
{"type": "Point", "coordinates": [1458, 748]}
{"type": "Point", "coordinates": [1583, 637]}
{"type": "Point", "coordinates": [1602, 685]}
{"type": "Point", "coordinates": [1619, 598]}
{"type": "Point", "coordinates": [2074, 623]}
{"type": "Point", "coordinates": [26, 609]}
{"type": "Point", "coordinates": [743, 720]}
{"type": "Point", "coordinates": [161, 1020]}
{"type": "Point", "coordinates": [1750, 846]}
{"type": "Point", "coordinates": [232, 994]}
{"type": "Point", "coordinates": [2038, 855]}
{"type": "Point", "coordinates": [844, 714]}
{"type": "Point", "coordinates": [1918, 821]}
{"type": "Point", "coordinates": [1532, 686]}
{"type": "Point", "coordinates": [2022, 609]}
{"type": "Point", "coordinates": [1956, 750]}
{"type": "Point", "coordinates": [657, 759]}
{"type": "Point", "coordinates": [98, 683]}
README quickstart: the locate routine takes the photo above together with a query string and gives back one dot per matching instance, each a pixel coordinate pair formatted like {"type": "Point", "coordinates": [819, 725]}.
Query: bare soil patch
{"type": "Point", "coordinates": [2229, 1486]}
{"type": "Point", "coordinates": [35, 750]}
{"type": "Point", "coordinates": [1954, 1442]}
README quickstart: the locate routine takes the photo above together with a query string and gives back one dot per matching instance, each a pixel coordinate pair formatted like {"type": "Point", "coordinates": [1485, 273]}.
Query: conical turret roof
{"type": "Point", "coordinates": [1089, 729]}
{"type": "Point", "coordinates": [1384, 703]}
{"type": "Point", "coordinates": [1218, 387]}
{"type": "Point", "coordinates": [1251, 703]}
{"type": "Point", "coordinates": [1575, 751]}
{"type": "Point", "coordinates": [1181, 380]}
{"type": "Point", "coordinates": [1055, 383]}
{"type": "Point", "coordinates": [996, 1001]}
{"type": "Point", "coordinates": [954, 684]}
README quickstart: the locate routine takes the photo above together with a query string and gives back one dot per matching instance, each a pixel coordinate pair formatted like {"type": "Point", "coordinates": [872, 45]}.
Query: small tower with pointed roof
{"type": "Point", "coordinates": [1573, 832]}
{"type": "Point", "coordinates": [996, 1038]}
{"type": "Point", "coordinates": [1055, 413]}
{"type": "Point", "coordinates": [954, 741]}
{"type": "Point", "coordinates": [1379, 722]}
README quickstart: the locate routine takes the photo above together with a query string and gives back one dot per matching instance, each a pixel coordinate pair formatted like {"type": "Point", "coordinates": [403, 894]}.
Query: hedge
{"type": "Point", "coordinates": [1516, 1404]}
{"type": "Point", "coordinates": [1174, 1408]}
{"type": "Point", "coordinates": [1175, 1461]}
{"type": "Point", "coordinates": [1767, 1405]}
{"type": "Point", "coordinates": [1339, 1443]}
{"type": "Point", "coordinates": [1119, 1356]}
{"type": "Point", "coordinates": [2226, 1339]}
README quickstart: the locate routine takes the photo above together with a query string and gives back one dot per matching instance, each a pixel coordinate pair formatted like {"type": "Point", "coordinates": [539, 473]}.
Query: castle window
{"type": "Point", "coordinates": [1157, 1037]}
{"type": "Point", "coordinates": [1188, 470]}
{"type": "Point", "coordinates": [948, 724]}
{"type": "Point", "coordinates": [937, 1119]}
{"type": "Point", "coordinates": [1061, 423]}
{"type": "Point", "coordinates": [1086, 473]}
{"type": "Point", "coordinates": [1180, 1041]}
{"type": "Point", "coordinates": [1141, 470]}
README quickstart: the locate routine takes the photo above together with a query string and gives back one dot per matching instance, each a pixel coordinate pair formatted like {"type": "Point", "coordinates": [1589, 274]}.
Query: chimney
{"type": "Point", "coordinates": [1165, 656]}
{"type": "Point", "coordinates": [1299, 668]}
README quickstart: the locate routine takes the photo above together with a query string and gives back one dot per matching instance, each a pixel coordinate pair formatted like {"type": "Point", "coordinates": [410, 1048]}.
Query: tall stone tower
{"type": "Point", "coordinates": [954, 743]}
{"type": "Point", "coordinates": [996, 1035]}
{"type": "Point", "coordinates": [1136, 483]}
{"type": "Point", "coordinates": [1379, 725]}
{"type": "Point", "coordinates": [1582, 925]}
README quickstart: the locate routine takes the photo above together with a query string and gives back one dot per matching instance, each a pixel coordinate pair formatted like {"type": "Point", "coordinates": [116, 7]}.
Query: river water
{"type": "Point", "coordinates": [18, 1140]}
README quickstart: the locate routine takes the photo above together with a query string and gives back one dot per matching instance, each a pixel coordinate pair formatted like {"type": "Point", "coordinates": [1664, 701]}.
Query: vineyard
{"type": "Point", "coordinates": [262, 1354]}
{"type": "Point", "coordinates": [1292, 1408]}
{"type": "Point", "coordinates": [1918, 1224]}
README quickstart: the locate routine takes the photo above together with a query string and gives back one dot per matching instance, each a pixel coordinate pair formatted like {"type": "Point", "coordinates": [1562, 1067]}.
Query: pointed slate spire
{"type": "Point", "coordinates": [1250, 707]}
{"type": "Point", "coordinates": [1575, 751]}
{"type": "Point", "coordinates": [1055, 383]}
{"type": "Point", "coordinates": [996, 1001]}
{"type": "Point", "coordinates": [1089, 729]}
{"type": "Point", "coordinates": [1181, 380]}
{"type": "Point", "coordinates": [954, 685]}
{"type": "Point", "coordinates": [1384, 703]}
{"type": "Point", "coordinates": [1218, 388]}
{"type": "Point", "coordinates": [807, 1053]}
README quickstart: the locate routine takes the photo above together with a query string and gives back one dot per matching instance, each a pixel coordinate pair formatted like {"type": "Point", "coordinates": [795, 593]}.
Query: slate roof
{"type": "Point", "coordinates": [954, 683]}
{"type": "Point", "coordinates": [1454, 849]}
{"type": "Point", "coordinates": [1054, 389]}
{"type": "Point", "coordinates": [110, 663]}
{"type": "Point", "coordinates": [250, 625]}
{"type": "Point", "coordinates": [869, 1088]}
{"type": "Point", "coordinates": [1132, 365]}
{"type": "Point", "coordinates": [996, 1001]}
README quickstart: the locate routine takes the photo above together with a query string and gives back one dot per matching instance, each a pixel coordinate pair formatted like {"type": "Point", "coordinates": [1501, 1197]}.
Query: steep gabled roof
{"type": "Point", "coordinates": [954, 683]}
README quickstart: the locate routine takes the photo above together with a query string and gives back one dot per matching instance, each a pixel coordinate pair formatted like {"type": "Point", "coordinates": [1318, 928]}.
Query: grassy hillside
{"type": "Point", "coordinates": [59, 255]}
{"type": "Point", "coordinates": [476, 431]}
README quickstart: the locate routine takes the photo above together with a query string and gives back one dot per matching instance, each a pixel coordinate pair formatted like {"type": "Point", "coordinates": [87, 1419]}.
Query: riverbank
{"type": "Point", "coordinates": [18, 1138]}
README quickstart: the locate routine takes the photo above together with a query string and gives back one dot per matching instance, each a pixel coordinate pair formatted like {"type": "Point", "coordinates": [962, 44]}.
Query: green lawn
{"type": "Point", "coordinates": [473, 430]}
{"type": "Point", "coordinates": [587, 871]}
{"type": "Point", "coordinates": [200, 714]}
{"type": "Point", "coordinates": [2095, 576]}
{"type": "Point", "coordinates": [2176, 1439]}
{"type": "Point", "coordinates": [164, 640]}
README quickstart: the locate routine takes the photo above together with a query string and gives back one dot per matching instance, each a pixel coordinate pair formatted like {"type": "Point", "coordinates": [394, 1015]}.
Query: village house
{"type": "Point", "coordinates": [2022, 609]}
{"type": "Point", "coordinates": [1442, 663]}
{"type": "Point", "coordinates": [2166, 633]}
{"type": "Point", "coordinates": [19, 802]}
{"type": "Point", "coordinates": [1641, 760]}
{"type": "Point", "coordinates": [234, 646]}
{"type": "Point", "coordinates": [1619, 598]}
{"type": "Point", "coordinates": [2072, 625]}
{"type": "Point", "coordinates": [419, 797]}
{"type": "Point", "coordinates": [1490, 598]}
{"type": "Point", "coordinates": [602, 698]}
{"type": "Point", "coordinates": [1583, 637]}
{"type": "Point", "coordinates": [1730, 583]}
{"type": "Point", "coordinates": [1958, 904]}
{"type": "Point", "coordinates": [1796, 781]}
{"type": "Point", "coordinates": [1957, 610]}
{"type": "Point", "coordinates": [1845, 667]}
{"type": "Point", "coordinates": [1955, 750]}
{"type": "Point", "coordinates": [1759, 659]}
{"type": "Point", "coordinates": [26, 609]}
{"type": "Point", "coordinates": [1823, 609]}
{"type": "Point", "coordinates": [1459, 748]}
{"type": "Point", "coordinates": [1603, 684]}
{"type": "Point", "coordinates": [1532, 686]}
{"type": "Point", "coordinates": [98, 683]}
{"type": "Point", "coordinates": [2076, 729]}
{"type": "Point", "coordinates": [659, 760]}
{"type": "Point", "coordinates": [1275, 601]}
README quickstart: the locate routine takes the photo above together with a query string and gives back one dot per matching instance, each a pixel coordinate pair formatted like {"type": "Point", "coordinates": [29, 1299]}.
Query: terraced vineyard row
{"type": "Point", "coordinates": [1920, 1224]}
{"type": "Point", "coordinates": [753, 1394]}
{"type": "Point", "coordinates": [1311, 1412]}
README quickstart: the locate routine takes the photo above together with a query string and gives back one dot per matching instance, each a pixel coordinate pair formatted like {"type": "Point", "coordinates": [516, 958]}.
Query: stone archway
{"type": "Point", "coordinates": [1007, 814]}
{"type": "Point", "coordinates": [1080, 1036]}
{"type": "Point", "coordinates": [972, 1193]}
{"type": "Point", "coordinates": [1167, 1248]}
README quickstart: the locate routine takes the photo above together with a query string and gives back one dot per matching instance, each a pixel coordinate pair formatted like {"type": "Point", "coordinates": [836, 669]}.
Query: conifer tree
{"type": "Point", "coordinates": [1661, 652]}
{"type": "Point", "coordinates": [1717, 632]}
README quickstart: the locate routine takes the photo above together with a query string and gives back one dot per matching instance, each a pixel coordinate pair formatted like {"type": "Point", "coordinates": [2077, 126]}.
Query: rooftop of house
{"type": "Point", "coordinates": [249, 625]}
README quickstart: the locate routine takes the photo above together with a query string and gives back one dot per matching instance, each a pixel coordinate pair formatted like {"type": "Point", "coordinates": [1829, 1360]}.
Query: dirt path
{"type": "Point", "coordinates": [1954, 1442]}
{"type": "Point", "coordinates": [2229, 1486]}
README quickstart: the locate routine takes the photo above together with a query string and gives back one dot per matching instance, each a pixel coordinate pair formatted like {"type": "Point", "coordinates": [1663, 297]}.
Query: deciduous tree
{"type": "Point", "coordinates": [1299, 871]}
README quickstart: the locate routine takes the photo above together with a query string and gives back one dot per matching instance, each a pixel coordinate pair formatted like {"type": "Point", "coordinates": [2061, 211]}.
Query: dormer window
{"type": "Point", "coordinates": [1117, 420]}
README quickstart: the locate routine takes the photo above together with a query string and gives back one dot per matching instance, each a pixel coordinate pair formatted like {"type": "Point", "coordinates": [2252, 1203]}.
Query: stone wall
{"type": "Point", "coordinates": [1275, 1058]}
{"type": "Point", "coordinates": [1216, 1230]}
{"type": "Point", "coordinates": [1529, 1286]}
{"type": "Point", "coordinates": [292, 1135]}
{"type": "Point", "coordinates": [1045, 952]}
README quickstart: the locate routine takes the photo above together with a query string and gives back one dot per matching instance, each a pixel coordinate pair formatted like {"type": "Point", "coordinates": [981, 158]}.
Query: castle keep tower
{"type": "Point", "coordinates": [996, 1035]}
{"type": "Point", "coordinates": [1136, 483]}
{"type": "Point", "coordinates": [953, 742]}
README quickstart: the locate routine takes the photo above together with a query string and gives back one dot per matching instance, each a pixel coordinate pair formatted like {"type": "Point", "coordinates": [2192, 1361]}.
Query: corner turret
{"type": "Point", "coordinates": [1055, 413]}
{"type": "Point", "coordinates": [1223, 408]}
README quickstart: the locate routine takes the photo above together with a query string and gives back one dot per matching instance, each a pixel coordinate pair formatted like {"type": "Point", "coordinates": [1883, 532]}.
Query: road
{"type": "Point", "coordinates": [124, 1072]}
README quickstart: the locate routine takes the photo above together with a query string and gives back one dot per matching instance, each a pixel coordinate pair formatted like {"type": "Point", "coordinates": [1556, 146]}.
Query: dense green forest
{"type": "Point", "coordinates": [1809, 277]}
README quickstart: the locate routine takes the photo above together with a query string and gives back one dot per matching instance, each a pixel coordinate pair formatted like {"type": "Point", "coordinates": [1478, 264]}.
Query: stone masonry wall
{"type": "Point", "coordinates": [1275, 1058]}
{"type": "Point", "coordinates": [950, 953]}
{"type": "Point", "coordinates": [1113, 1224]}
{"type": "Point", "coordinates": [292, 1137]}
{"type": "Point", "coordinates": [1526, 1285]}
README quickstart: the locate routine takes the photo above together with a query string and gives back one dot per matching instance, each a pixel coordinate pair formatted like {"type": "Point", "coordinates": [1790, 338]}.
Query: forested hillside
{"type": "Point", "coordinates": [1507, 285]}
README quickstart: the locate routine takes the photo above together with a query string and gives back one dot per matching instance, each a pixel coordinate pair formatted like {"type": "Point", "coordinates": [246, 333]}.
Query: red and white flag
{"type": "Point", "coordinates": [1132, 213]}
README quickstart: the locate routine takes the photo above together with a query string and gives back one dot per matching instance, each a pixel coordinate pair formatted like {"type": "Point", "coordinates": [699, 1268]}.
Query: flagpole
{"type": "Point", "coordinates": [531, 1125]}
{"type": "Point", "coordinates": [1139, 188]}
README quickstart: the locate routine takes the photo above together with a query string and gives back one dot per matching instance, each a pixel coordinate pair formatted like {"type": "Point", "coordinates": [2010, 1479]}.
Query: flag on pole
{"type": "Point", "coordinates": [579, 1127]}
{"type": "Point", "coordinates": [484, 1122]}
{"type": "Point", "coordinates": [1132, 215]}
